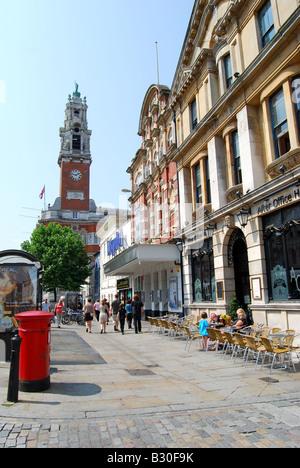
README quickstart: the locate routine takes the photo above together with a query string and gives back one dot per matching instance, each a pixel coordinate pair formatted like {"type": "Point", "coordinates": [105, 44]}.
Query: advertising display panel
{"type": "Point", "coordinates": [20, 287]}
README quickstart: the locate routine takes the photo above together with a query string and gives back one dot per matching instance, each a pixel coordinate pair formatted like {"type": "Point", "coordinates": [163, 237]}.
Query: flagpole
{"type": "Point", "coordinates": [157, 63]}
{"type": "Point", "coordinates": [45, 198]}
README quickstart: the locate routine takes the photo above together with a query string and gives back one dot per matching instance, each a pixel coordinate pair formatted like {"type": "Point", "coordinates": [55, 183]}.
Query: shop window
{"type": "Point", "coordinates": [228, 70]}
{"type": "Point", "coordinates": [296, 100]}
{"type": "Point", "coordinates": [204, 286]}
{"type": "Point", "coordinates": [266, 23]}
{"type": "Point", "coordinates": [279, 124]}
{"type": "Point", "coordinates": [194, 118]}
{"type": "Point", "coordinates": [282, 241]}
{"type": "Point", "coordinates": [236, 158]}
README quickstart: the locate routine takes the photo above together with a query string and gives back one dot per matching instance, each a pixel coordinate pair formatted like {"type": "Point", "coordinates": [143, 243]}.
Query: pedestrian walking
{"type": "Point", "coordinates": [115, 310]}
{"type": "Point", "coordinates": [122, 316]}
{"type": "Point", "coordinates": [45, 306]}
{"type": "Point", "coordinates": [103, 315]}
{"type": "Point", "coordinates": [129, 313]}
{"type": "Point", "coordinates": [108, 307]}
{"type": "Point", "coordinates": [89, 313]}
{"type": "Point", "coordinates": [137, 310]}
{"type": "Point", "coordinates": [97, 309]}
{"type": "Point", "coordinates": [58, 310]}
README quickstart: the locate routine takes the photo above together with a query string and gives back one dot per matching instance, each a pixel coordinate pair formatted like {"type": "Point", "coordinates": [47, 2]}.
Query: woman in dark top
{"type": "Point", "coordinates": [241, 322]}
{"type": "Point", "coordinates": [89, 313]}
{"type": "Point", "coordinates": [137, 310]}
{"type": "Point", "coordinates": [122, 316]}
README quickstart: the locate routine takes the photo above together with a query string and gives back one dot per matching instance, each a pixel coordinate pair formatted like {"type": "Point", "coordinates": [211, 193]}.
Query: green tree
{"type": "Point", "coordinates": [62, 252]}
{"type": "Point", "coordinates": [234, 305]}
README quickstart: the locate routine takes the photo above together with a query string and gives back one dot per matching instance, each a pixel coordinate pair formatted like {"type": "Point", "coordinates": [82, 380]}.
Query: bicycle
{"type": "Point", "coordinates": [71, 316]}
{"type": "Point", "coordinates": [77, 317]}
{"type": "Point", "coordinates": [65, 319]}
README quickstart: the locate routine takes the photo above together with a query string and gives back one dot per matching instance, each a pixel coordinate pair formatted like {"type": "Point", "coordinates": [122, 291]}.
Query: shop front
{"type": "Point", "coordinates": [257, 260]}
{"type": "Point", "coordinates": [124, 290]}
{"type": "Point", "coordinates": [114, 235]}
{"type": "Point", "coordinates": [281, 236]}
{"type": "Point", "coordinates": [154, 272]}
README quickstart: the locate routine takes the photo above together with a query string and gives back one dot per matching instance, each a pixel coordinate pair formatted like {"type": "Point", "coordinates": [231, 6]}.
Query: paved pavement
{"type": "Point", "coordinates": [145, 391]}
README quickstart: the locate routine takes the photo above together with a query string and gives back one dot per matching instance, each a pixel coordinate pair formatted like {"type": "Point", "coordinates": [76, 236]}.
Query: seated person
{"type": "Point", "coordinates": [241, 322]}
{"type": "Point", "coordinates": [214, 319]}
{"type": "Point", "coordinates": [226, 320]}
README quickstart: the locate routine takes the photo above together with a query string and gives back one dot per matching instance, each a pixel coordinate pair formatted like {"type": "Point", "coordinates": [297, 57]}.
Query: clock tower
{"type": "Point", "coordinates": [75, 156]}
{"type": "Point", "coordinates": [73, 207]}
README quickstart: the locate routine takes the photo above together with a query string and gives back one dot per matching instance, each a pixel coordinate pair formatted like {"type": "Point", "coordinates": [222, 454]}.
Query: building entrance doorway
{"type": "Point", "coordinates": [239, 260]}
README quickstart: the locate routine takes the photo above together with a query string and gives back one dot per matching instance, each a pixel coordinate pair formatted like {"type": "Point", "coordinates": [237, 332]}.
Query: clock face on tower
{"type": "Point", "coordinates": [76, 175]}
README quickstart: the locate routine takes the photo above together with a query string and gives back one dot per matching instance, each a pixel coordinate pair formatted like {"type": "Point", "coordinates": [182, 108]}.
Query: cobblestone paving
{"type": "Point", "coordinates": [117, 392]}
{"type": "Point", "coordinates": [242, 427]}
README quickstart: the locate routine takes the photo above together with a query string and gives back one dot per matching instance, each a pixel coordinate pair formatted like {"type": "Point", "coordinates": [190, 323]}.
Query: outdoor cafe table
{"type": "Point", "coordinates": [250, 331]}
{"type": "Point", "coordinates": [280, 336]}
{"type": "Point", "coordinates": [217, 325]}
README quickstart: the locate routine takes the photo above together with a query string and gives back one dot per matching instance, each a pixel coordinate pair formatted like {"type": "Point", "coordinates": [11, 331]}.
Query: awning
{"type": "Point", "coordinates": [137, 257]}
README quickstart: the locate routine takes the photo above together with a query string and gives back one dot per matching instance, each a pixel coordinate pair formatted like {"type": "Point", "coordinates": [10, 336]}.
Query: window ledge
{"type": "Point", "coordinates": [289, 160]}
{"type": "Point", "coordinates": [231, 192]}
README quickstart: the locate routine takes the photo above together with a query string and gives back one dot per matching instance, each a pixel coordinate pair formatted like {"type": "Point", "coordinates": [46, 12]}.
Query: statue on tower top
{"type": "Point", "coordinates": [76, 92]}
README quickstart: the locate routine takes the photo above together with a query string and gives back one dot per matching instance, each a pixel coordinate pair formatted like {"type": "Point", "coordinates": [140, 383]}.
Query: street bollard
{"type": "Point", "coordinates": [13, 384]}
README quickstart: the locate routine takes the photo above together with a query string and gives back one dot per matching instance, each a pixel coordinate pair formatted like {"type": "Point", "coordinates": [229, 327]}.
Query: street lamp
{"type": "Point", "coordinates": [209, 230]}
{"type": "Point", "coordinates": [243, 216]}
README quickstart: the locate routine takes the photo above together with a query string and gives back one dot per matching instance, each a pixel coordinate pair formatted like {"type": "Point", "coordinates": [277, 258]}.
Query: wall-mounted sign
{"type": "Point", "coordinates": [220, 289]}
{"type": "Point", "coordinates": [256, 288]}
{"type": "Point", "coordinates": [173, 292]}
{"type": "Point", "coordinates": [115, 244]}
{"type": "Point", "coordinates": [123, 284]}
{"type": "Point", "coordinates": [278, 202]}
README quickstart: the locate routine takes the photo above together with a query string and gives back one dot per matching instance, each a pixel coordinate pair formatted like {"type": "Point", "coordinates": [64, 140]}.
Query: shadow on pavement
{"type": "Point", "coordinates": [67, 348]}
{"type": "Point", "coordinates": [74, 389]}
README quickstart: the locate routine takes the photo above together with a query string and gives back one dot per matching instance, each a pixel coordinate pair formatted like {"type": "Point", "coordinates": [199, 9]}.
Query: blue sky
{"type": "Point", "coordinates": [109, 49]}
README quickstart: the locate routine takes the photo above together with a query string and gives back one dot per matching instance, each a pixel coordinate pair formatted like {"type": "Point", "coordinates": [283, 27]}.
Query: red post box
{"type": "Point", "coordinates": [35, 331]}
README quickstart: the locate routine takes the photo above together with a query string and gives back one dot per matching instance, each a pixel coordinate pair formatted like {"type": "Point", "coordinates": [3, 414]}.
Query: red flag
{"type": "Point", "coordinates": [42, 193]}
